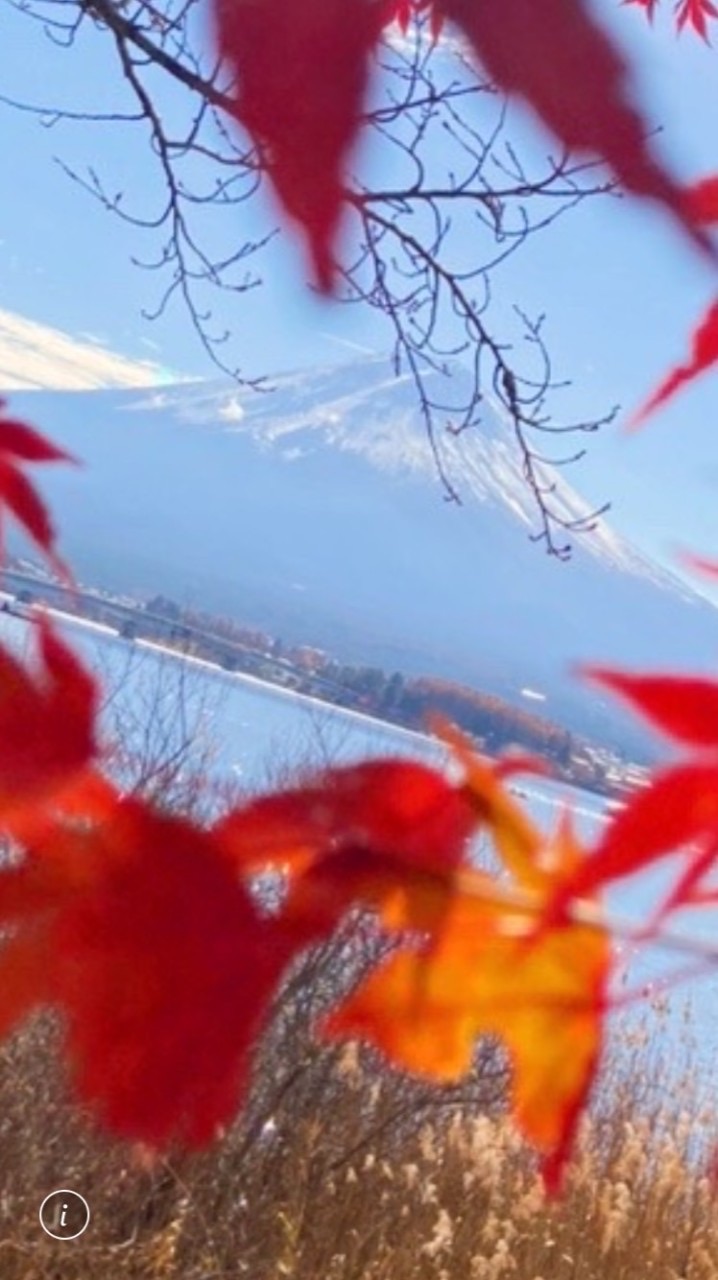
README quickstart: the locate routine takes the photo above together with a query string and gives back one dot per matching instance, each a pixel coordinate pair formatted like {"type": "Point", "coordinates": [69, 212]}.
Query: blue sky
{"type": "Point", "coordinates": [620, 287]}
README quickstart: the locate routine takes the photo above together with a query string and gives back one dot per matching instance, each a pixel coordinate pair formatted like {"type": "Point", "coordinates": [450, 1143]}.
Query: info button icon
{"type": "Point", "coordinates": [64, 1215]}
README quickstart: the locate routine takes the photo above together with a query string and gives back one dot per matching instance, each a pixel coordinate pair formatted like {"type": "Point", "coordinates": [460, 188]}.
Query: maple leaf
{"type": "Point", "coordinates": [402, 12]}
{"type": "Point", "coordinates": [557, 58]}
{"type": "Point", "coordinates": [301, 75]}
{"type": "Point", "coordinates": [650, 6]}
{"type": "Point", "coordinates": [543, 994]}
{"type": "Point", "coordinates": [683, 707]}
{"type": "Point", "coordinates": [702, 200]}
{"type": "Point", "coordinates": [469, 974]}
{"type": "Point", "coordinates": [139, 929]}
{"type": "Point", "coordinates": [406, 811]}
{"type": "Point", "coordinates": [392, 835]}
{"type": "Point", "coordinates": [704, 353]}
{"type": "Point", "coordinates": [140, 934]}
{"type": "Point", "coordinates": [22, 444]}
{"type": "Point", "coordinates": [519, 843]}
{"type": "Point", "coordinates": [47, 724]}
{"type": "Point", "coordinates": [679, 809]}
{"type": "Point", "coordinates": [695, 13]}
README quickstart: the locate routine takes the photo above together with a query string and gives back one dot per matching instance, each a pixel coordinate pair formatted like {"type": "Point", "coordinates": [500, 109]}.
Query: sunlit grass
{"type": "Point", "coordinates": [341, 1170]}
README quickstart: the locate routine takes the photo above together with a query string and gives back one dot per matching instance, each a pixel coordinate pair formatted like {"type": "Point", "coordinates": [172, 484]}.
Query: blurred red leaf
{"type": "Point", "coordinates": [25, 966]}
{"type": "Point", "coordinates": [704, 353]}
{"type": "Point", "coordinates": [400, 809]}
{"type": "Point", "coordinates": [679, 808]}
{"type": "Point", "coordinates": [684, 707]}
{"type": "Point", "coordinates": [20, 443]}
{"type": "Point", "coordinates": [301, 75]}
{"type": "Point", "coordinates": [702, 200]}
{"type": "Point", "coordinates": [695, 13]}
{"type": "Point", "coordinates": [47, 723]}
{"type": "Point", "coordinates": [26, 444]}
{"type": "Point", "coordinates": [650, 6]}
{"type": "Point", "coordinates": [160, 964]}
{"type": "Point", "coordinates": [557, 58]}
{"type": "Point", "coordinates": [701, 564]}
{"type": "Point", "coordinates": [402, 10]}
{"type": "Point", "coordinates": [23, 500]}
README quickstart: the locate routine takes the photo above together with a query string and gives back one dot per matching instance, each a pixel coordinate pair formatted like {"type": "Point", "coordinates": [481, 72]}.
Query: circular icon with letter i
{"type": "Point", "coordinates": [64, 1215]}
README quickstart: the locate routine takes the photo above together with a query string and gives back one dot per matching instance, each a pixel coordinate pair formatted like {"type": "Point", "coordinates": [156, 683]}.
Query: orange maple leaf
{"type": "Point", "coordinates": [488, 970]}
{"type": "Point", "coordinates": [481, 959]}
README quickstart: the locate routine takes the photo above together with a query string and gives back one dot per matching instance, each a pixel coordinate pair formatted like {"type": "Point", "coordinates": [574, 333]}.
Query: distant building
{"type": "Point", "coordinates": [307, 658]}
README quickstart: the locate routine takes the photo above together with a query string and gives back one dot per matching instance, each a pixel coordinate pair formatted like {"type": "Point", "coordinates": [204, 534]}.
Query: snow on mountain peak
{"type": "Point", "coordinates": [362, 408]}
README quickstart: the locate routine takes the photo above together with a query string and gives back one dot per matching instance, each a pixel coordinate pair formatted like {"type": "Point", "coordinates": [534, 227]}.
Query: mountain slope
{"type": "Point", "coordinates": [315, 511]}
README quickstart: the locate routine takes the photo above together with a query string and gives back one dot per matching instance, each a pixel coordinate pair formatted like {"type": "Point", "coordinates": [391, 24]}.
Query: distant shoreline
{"type": "Point", "coordinates": [108, 634]}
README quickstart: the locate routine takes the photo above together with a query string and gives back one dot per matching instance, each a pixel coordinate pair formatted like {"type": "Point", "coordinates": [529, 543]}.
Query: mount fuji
{"type": "Point", "coordinates": [315, 511]}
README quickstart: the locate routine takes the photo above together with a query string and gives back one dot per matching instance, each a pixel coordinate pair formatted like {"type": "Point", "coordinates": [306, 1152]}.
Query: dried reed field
{"type": "Point", "coordinates": [342, 1170]}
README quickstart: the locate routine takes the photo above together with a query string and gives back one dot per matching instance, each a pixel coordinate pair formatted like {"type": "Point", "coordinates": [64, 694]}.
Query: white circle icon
{"type": "Point", "coordinates": [64, 1214]}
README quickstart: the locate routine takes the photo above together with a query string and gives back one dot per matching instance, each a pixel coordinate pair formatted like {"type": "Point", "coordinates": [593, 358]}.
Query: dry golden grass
{"type": "Point", "coordinates": [340, 1170]}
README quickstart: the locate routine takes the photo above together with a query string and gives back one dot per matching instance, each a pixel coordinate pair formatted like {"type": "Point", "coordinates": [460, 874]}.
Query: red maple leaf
{"type": "Point", "coordinates": [650, 6]}
{"type": "Point", "coordinates": [21, 444]}
{"type": "Point", "coordinates": [47, 724]}
{"type": "Point", "coordinates": [683, 707]}
{"type": "Point", "coordinates": [404, 811]}
{"type": "Point", "coordinates": [704, 353]}
{"type": "Point", "coordinates": [695, 13]}
{"type": "Point", "coordinates": [679, 809]}
{"type": "Point", "coordinates": [140, 934]}
{"type": "Point", "coordinates": [557, 58]}
{"type": "Point", "coordinates": [702, 200]}
{"type": "Point", "coordinates": [301, 75]}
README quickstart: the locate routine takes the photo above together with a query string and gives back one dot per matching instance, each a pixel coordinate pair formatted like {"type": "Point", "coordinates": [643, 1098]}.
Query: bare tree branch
{"type": "Point", "coordinates": [424, 250]}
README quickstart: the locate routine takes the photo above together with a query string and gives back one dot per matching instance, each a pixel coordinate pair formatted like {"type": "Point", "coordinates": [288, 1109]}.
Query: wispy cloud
{"type": "Point", "coordinates": [34, 357]}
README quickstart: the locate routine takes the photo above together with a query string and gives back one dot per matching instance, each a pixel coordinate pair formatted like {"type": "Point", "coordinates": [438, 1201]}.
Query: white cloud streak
{"type": "Point", "coordinates": [35, 357]}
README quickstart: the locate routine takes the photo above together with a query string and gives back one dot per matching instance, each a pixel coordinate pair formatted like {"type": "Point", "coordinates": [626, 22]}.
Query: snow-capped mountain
{"type": "Point", "coordinates": [315, 511]}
